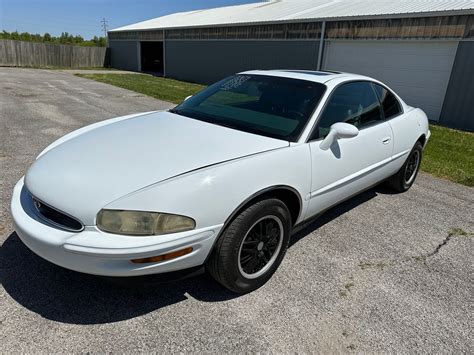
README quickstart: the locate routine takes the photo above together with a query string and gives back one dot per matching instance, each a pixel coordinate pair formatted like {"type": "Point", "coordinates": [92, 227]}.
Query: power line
{"type": "Point", "coordinates": [105, 26]}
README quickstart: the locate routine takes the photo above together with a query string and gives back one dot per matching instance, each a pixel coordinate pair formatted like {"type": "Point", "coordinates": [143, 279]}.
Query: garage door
{"type": "Point", "coordinates": [418, 71]}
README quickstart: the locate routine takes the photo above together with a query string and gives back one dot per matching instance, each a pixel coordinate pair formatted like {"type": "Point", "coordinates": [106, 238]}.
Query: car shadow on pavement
{"type": "Point", "coordinates": [71, 297]}
{"type": "Point", "coordinates": [313, 224]}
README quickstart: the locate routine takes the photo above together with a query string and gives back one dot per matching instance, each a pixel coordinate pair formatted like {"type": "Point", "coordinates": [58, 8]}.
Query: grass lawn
{"type": "Point", "coordinates": [88, 68]}
{"type": "Point", "coordinates": [449, 154]}
{"type": "Point", "coordinates": [160, 88]}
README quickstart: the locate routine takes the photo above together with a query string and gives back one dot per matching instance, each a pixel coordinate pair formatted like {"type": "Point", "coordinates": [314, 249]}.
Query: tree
{"type": "Point", "coordinates": [25, 36]}
{"type": "Point", "coordinates": [15, 36]}
{"type": "Point", "coordinates": [64, 38]}
{"type": "Point", "coordinates": [78, 39]}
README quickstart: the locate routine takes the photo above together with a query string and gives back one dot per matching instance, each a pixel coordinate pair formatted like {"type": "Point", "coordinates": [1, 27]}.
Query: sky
{"type": "Point", "coordinates": [83, 17]}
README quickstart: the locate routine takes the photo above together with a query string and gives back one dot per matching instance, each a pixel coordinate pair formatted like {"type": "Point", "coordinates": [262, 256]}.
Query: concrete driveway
{"type": "Point", "coordinates": [381, 272]}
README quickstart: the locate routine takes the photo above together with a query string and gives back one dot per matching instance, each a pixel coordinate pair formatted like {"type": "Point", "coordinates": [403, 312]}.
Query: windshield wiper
{"type": "Point", "coordinates": [173, 110]}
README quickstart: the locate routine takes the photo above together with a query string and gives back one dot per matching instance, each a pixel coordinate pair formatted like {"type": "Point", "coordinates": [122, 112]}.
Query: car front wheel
{"type": "Point", "coordinates": [252, 247]}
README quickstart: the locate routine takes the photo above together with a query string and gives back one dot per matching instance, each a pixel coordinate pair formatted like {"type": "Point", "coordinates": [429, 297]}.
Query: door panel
{"type": "Point", "coordinates": [349, 166]}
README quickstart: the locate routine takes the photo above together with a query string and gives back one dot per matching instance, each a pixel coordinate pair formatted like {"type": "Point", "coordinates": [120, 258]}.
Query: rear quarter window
{"type": "Point", "coordinates": [390, 104]}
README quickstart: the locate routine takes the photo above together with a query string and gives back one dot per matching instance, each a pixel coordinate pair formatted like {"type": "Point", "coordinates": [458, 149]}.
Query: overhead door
{"type": "Point", "coordinates": [418, 71]}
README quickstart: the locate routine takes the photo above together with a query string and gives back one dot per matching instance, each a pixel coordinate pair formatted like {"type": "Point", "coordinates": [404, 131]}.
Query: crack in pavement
{"type": "Point", "coordinates": [455, 232]}
{"type": "Point", "coordinates": [452, 233]}
{"type": "Point", "coordinates": [438, 248]}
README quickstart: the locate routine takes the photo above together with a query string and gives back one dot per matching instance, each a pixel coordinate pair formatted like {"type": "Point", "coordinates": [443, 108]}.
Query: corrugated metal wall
{"type": "Point", "coordinates": [438, 27]}
{"type": "Point", "coordinates": [208, 61]}
{"type": "Point", "coordinates": [458, 107]}
{"type": "Point", "coordinates": [124, 55]}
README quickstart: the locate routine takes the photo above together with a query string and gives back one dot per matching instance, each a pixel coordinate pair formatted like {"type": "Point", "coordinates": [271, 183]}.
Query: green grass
{"type": "Point", "coordinates": [160, 88]}
{"type": "Point", "coordinates": [450, 155]}
{"type": "Point", "coordinates": [90, 68]}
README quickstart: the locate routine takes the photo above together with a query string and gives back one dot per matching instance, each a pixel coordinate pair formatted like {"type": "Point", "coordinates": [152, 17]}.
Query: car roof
{"type": "Point", "coordinates": [331, 79]}
{"type": "Point", "coordinates": [318, 76]}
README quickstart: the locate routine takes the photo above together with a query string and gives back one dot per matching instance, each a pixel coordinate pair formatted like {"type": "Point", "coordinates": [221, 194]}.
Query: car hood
{"type": "Point", "coordinates": [83, 174]}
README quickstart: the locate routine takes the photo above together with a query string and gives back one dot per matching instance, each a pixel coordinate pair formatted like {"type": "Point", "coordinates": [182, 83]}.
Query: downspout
{"type": "Point", "coordinates": [321, 46]}
{"type": "Point", "coordinates": [139, 55]}
{"type": "Point", "coordinates": [164, 53]}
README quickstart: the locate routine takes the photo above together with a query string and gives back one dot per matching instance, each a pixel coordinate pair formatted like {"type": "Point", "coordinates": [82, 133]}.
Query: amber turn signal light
{"type": "Point", "coordinates": [164, 257]}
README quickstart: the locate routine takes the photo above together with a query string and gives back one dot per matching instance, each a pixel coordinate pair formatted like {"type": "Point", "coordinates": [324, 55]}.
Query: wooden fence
{"type": "Point", "coordinates": [30, 54]}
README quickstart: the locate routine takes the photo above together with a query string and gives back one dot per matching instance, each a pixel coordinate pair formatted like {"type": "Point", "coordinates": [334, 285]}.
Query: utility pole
{"type": "Point", "coordinates": [105, 26]}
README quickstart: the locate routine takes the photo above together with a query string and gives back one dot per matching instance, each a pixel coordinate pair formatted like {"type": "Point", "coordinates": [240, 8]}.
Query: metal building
{"type": "Point", "coordinates": [423, 49]}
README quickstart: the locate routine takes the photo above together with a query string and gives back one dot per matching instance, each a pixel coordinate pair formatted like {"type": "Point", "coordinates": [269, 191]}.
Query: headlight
{"type": "Point", "coordinates": [142, 223]}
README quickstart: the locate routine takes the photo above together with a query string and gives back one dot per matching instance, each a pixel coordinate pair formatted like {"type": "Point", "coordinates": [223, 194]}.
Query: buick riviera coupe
{"type": "Point", "coordinates": [221, 180]}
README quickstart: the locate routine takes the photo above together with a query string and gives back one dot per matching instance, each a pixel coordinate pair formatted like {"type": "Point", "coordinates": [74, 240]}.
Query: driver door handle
{"type": "Point", "coordinates": [386, 140]}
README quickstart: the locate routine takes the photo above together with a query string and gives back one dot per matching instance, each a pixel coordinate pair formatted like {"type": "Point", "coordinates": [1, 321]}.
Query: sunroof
{"type": "Point", "coordinates": [312, 72]}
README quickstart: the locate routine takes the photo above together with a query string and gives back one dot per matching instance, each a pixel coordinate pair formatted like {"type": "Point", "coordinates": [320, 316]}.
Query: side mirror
{"type": "Point", "coordinates": [338, 130]}
{"type": "Point", "coordinates": [188, 97]}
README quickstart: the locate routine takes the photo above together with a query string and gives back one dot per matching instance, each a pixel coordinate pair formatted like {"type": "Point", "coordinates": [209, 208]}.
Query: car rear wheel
{"type": "Point", "coordinates": [252, 247]}
{"type": "Point", "coordinates": [406, 176]}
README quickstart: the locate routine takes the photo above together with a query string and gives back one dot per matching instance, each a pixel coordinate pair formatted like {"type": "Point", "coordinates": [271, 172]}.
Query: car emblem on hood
{"type": "Point", "coordinates": [37, 204]}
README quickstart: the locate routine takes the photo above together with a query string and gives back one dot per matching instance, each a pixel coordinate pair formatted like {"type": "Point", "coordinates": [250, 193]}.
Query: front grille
{"type": "Point", "coordinates": [57, 218]}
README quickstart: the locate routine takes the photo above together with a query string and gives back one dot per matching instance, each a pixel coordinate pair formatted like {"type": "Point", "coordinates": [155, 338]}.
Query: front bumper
{"type": "Point", "coordinates": [95, 252]}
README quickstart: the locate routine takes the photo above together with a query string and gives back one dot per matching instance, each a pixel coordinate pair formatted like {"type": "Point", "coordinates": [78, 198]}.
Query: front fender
{"type": "Point", "coordinates": [210, 195]}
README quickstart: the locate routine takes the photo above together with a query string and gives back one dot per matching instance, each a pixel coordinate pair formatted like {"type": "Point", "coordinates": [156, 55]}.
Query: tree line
{"type": "Point", "coordinates": [64, 38]}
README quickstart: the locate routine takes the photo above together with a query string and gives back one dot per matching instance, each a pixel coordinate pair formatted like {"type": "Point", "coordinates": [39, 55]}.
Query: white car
{"type": "Point", "coordinates": [219, 181]}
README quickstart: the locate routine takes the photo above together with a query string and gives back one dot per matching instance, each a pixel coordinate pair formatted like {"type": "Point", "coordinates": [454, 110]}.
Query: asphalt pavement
{"type": "Point", "coordinates": [380, 273]}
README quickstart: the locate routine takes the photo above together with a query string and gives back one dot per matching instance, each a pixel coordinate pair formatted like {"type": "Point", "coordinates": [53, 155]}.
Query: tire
{"type": "Point", "coordinates": [406, 176]}
{"type": "Point", "coordinates": [237, 262]}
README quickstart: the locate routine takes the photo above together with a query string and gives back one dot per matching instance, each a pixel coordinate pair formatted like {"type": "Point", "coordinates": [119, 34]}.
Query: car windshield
{"type": "Point", "coordinates": [266, 105]}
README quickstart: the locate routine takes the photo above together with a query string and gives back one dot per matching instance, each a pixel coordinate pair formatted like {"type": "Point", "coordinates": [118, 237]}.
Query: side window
{"type": "Point", "coordinates": [391, 106]}
{"type": "Point", "coordinates": [355, 103]}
